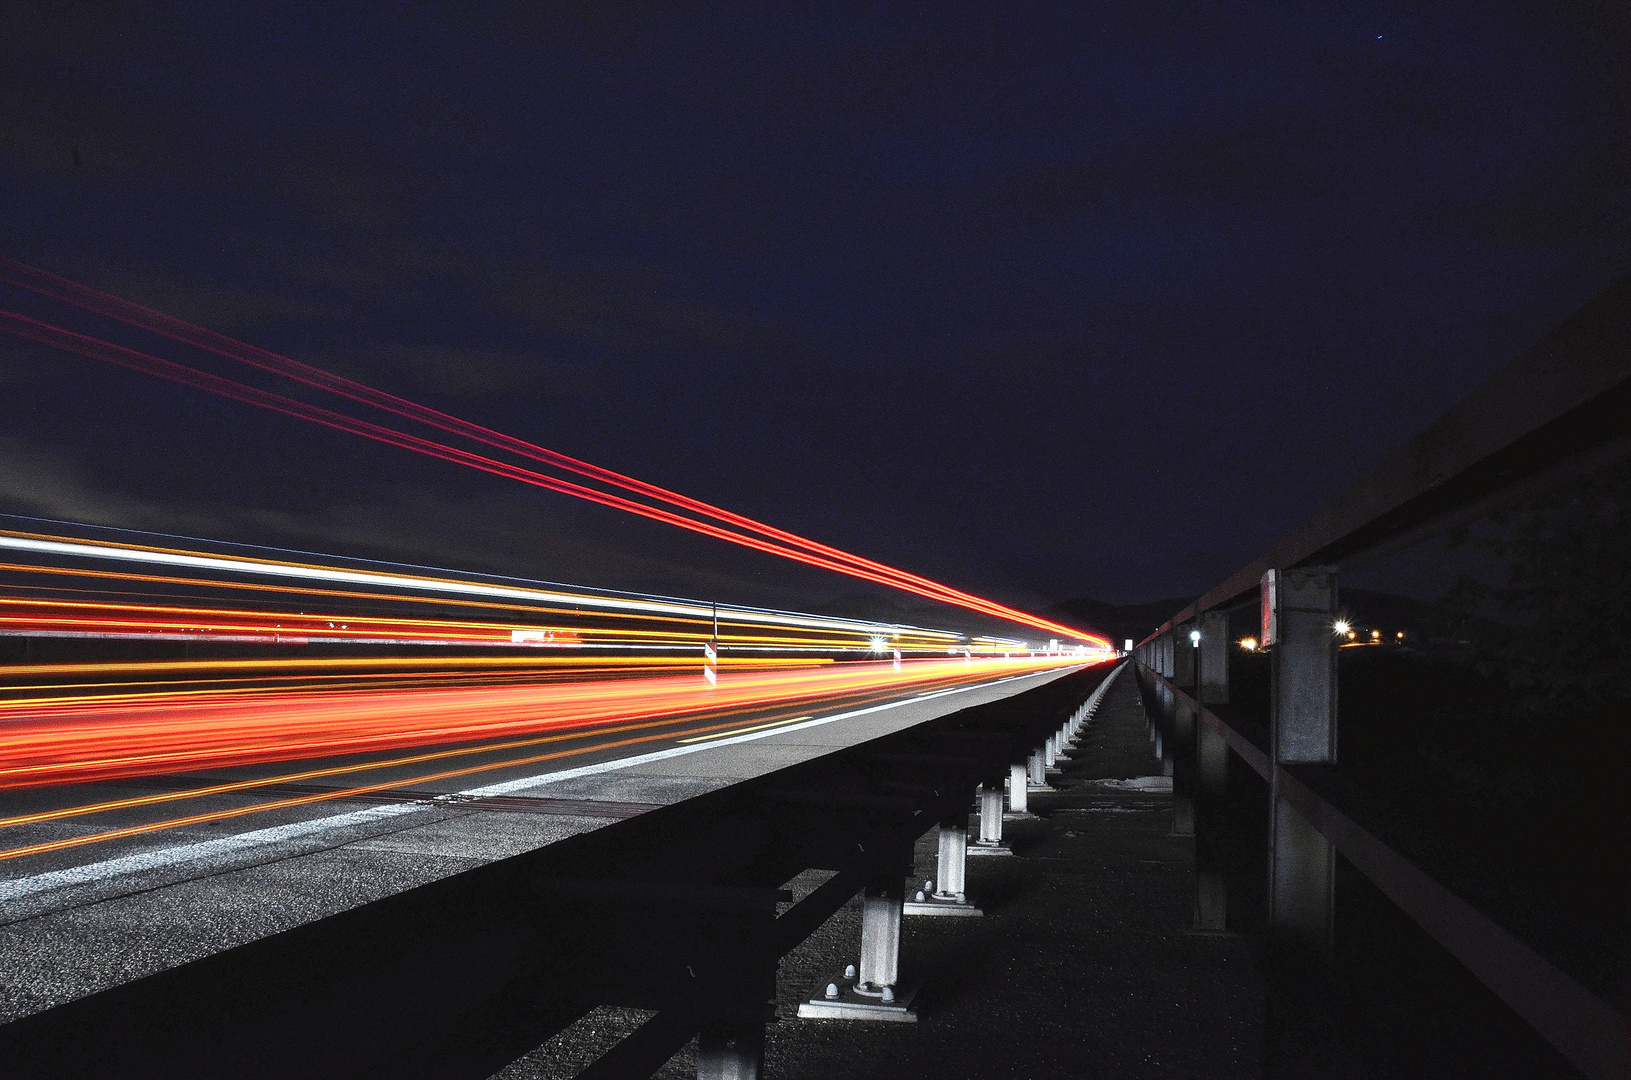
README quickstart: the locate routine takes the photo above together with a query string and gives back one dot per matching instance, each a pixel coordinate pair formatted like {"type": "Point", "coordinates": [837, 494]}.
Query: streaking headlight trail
{"type": "Point", "coordinates": [659, 503]}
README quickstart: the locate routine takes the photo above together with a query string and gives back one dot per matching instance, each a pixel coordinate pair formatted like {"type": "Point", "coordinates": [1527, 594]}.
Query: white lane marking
{"type": "Point", "coordinates": [17, 888]}
{"type": "Point", "coordinates": [758, 727]}
{"type": "Point", "coordinates": [524, 783]}
{"type": "Point", "coordinates": [170, 856]}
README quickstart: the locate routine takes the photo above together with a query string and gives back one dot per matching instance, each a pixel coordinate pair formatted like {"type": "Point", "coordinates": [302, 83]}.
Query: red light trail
{"type": "Point", "coordinates": [64, 740]}
{"type": "Point", "coordinates": [161, 735]}
{"type": "Point", "coordinates": [753, 534]}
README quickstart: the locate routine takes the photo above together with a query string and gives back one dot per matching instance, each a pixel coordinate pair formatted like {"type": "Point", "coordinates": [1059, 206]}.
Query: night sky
{"type": "Point", "coordinates": [1043, 301]}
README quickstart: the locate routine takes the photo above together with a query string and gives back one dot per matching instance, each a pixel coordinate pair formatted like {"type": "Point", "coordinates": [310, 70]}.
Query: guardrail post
{"type": "Point", "coordinates": [880, 939]}
{"type": "Point", "coordinates": [951, 871]}
{"type": "Point", "coordinates": [734, 1052]}
{"type": "Point", "coordinates": [950, 895]}
{"type": "Point", "coordinates": [1017, 783]}
{"type": "Point", "coordinates": [1302, 729]}
{"type": "Point", "coordinates": [1038, 771]}
{"type": "Point", "coordinates": [990, 841]}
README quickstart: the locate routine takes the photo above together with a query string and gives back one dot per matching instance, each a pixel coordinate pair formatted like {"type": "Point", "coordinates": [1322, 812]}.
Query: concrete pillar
{"type": "Point", "coordinates": [1017, 779]}
{"type": "Point", "coordinates": [1183, 723]}
{"type": "Point", "coordinates": [731, 1051]}
{"type": "Point", "coordinates": [1183, 810]}
{"type": "Point", "coordinates": [1302, 729]}
{"type": "Point", "coordinates": [1214, 658]}
{"type": "Point", "coordinates": [1050, 753]}
{"type": "Point", "coordinates": [880, 940]}
{"type": "Point", "coordinates": [1211, 901]}
{"type": "Point", "coordinates": [1184, 657]}
{"type": "Point", "coordinates": [951, 875]}
{"type": "Point", "coordinates": [990, 815]}
{"type": "Point", "coordinates": [1211, 759]}
{"type": "Point", "coordinates": [1038, 769]}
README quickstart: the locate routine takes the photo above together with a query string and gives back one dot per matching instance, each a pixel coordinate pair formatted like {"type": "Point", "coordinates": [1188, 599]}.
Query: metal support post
{"type": "Point", "coordinates": [949, 883]}
{"type": "Point", "coordinates": [880, 941]}
{"type": "Point", "coordinates": [1017, 789]}
{"type": "Point", "coordinates": [990, 815]}
{"type": "Point", "coordinates": [874, 990]}
{"type": "Point", "coordinates": [990, 841]}
{"type": "Point", "coordinates": [950, 895]}
{"type": "Point", "coordinates": [1038, 772]}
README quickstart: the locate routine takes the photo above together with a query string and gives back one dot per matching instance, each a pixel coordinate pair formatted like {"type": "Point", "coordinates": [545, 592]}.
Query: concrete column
{"type": "Point", "coordinates": [1050, 753]}
{"type": "Point", "coordinates": [990, 815]}
{"type": "Point", "coordinates": [951, 876]}
{"type": "Point", "coordinates": [1183, 657]}
{"type": "Point", "coordinates": [1302, 729]}
{"type": "Point", "coordinates": [1183, 812]}
{"type": "Point", "coordinates": [1183, 724]}
{"type": "Point", "coordinates": [880, 940]}
{"type": "Point", "coordinates": [1214, 658]}
{"type": "Point", "coordinates": [1017, 780]}
{"type": "Point", "coordinates": [1038, 769]}
{"type": "Point", "coordinates": [731, 1052]}
{"type": "Point", "coordinates": [1211, 901]}
{"type": "Point", "coordinates": [1212, 759]}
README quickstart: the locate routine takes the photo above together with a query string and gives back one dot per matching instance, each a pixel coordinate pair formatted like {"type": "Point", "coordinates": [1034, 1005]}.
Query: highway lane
{"type": "Point", "coordinates": [275, 846]}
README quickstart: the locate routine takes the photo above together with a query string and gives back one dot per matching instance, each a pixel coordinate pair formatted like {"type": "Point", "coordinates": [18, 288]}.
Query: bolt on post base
{"type": "Point", "coordinates": [929, 901]}
{"type": "Point", "coordinates": [842, 998]}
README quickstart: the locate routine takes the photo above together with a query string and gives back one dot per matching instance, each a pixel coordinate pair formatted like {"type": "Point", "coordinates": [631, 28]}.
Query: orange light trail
{"type": "Point", "coordinates": [658, 609]}
{"type": "Point", "coordinates": [327, 772]}
{"type": "Point", "coordinates": [956, 675]}
{"type": "Point", "coordinates": [67, 741]}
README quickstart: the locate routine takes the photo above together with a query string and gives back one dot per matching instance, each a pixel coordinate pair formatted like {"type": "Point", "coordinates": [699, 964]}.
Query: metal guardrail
{"type": "Point", "coordinates": [1561, 409]}
{"type": "Point", "coordinates": [1564, 405]}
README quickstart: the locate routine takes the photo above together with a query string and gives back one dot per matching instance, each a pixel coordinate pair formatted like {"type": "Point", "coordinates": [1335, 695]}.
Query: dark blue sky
{"type": "Point", "coordinates": [1042, 300]}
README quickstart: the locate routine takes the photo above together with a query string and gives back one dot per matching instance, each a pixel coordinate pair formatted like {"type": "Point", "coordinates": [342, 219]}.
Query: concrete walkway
{"type": "Point", "coordinates": [1083, 966]}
